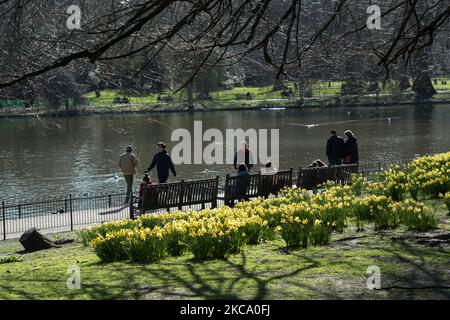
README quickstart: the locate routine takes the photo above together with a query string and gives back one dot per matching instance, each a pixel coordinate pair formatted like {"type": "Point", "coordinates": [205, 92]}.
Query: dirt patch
{"type": "Point", "coordinates": [427, 240]}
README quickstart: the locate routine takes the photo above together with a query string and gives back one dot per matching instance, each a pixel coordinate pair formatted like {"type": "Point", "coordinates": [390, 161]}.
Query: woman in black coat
{"type": "Point", "coordinates": [350, 148]}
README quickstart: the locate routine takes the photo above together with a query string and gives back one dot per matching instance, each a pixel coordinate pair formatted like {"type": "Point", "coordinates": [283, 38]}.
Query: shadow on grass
{"type": "Point", "coordinates": [215, 279]}
{"type": "Point", "coordinates": [182, 278]}
{"type": "Point", "coordinates": [261, 283]}
{"type": "Point", "coordinates": [419, 274]}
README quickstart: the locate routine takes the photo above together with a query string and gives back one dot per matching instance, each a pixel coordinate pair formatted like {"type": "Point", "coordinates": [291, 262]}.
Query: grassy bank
{"type": "Point", "coordinates": [324, 94]}
{"type": "Point", "coordinates": [232, 105]}
{"type": "Point", "coordinates": [413, 266]}
{"type": "Point", "coordinates": [319, 89]}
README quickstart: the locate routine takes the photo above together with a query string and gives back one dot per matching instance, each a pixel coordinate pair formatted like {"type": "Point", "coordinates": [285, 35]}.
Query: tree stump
{"type": "Point", "coordinates": [32, 240]}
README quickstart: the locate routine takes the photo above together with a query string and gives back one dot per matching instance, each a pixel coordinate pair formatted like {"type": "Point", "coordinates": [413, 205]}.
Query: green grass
{"type": "Point", "coordinates": [262, 96]}
{"type": "Point", "coordinates": [319, 89]}
{"type": "Point", "coordinates": [440, 86]}
{"type": "Point", "coordinates": [264, 271]}
{"type": "Point", "coordinates": [323, 89]}
{"type": "Point", "coordinates": [107, 97]}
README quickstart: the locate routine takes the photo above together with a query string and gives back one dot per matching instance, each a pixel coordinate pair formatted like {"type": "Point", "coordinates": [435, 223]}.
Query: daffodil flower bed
{"type": "Point", "coordinates": [446, 198]}
{"type": "Point", "coordinates": [425, 177]}
{"type": "Point", "coordinates": [430, 175]}
{"type": "Point", "coordinates": [300, 218]}
{"type": "Point", "coordinates": [131, 244]}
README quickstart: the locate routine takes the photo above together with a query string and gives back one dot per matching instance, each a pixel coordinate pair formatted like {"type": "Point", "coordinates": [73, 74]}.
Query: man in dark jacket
{"type": "Point", "coordinates": [335, 149]}
{"type": "Point", "coordinates": [163, 163]}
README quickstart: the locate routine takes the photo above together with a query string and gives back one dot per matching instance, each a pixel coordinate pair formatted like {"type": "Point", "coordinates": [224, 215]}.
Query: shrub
{"type": "Point", "coordinates": [255, 228]}
{"type": "Point", "coordinates": [160, 220]}
{"type": "Point", "coordinates": [175, 233]}
{"type": "Point", "coordinates": [358, 184]}
{"type": "Point", "coordinates": [415, 215]}
{"type": "Point", "coordinates": [333, 206]}
{"type": "Point", "coordinates": [396, 183]}
{"type": "Point", "coordinates": [112, 246]}
{"type": "Point", "coordinates": [143, 244]}
{"type": "Point", "coordinates": [295, 232]}
{"type": "Point", "coordinates": [321, 233]}
{"type": "Point", "coordinates": [413, 187]}
{"type": "Point", "coordinates": [146, 245]}
{"type": "Point", "coordinates": [430, 175]}
{"type": "Point", "coordinates": [296, 224]}
{"type": "Point", "coordinates": [385, 217]}
{"type": "Point", "coordinates": [372, 208]}
{"type": "Point", "coordinates": [208, 239]}
{"type": "Point", "coordinates": [87, 235]}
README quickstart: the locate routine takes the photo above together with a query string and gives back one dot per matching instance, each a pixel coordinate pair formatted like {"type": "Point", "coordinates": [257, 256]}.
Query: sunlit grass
{"type": "Point", "coordinates": [237, 94]}
{"type": "Point", "coordinates": [264, 271]}
{"type": "Point", "coordinates": [439, 85]}
{"type": "Point", "coordinates": [320, 89]}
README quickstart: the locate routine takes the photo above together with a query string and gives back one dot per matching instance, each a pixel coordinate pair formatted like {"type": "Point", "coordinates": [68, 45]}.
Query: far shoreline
{"type": "Point", "coordinates": [291, 105]}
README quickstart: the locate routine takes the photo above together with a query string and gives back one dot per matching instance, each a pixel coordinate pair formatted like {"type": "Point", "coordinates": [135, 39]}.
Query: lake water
{"type": "Point", "coordinates": [47, 157]}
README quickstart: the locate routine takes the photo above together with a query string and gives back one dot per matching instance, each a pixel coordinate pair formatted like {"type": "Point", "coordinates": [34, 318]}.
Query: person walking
{"type": "Point", "coordinates": [335, 149]}
{"type": "Point", "coordinates": [245, 156]}
{"type": "Point", "coordinates": [163, 163]}
{"type": "Point", "coordinates": [128, 163]}
{"type": "Point", "coordinates": [351, 155]}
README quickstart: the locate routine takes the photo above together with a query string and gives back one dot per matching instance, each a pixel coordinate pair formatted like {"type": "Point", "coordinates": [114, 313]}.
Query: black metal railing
{"type": "Point", "coordinates": [367, 168]}
{"type": "Point", "coordinates": [74, 212]}
{"type": "Point", "coordinates": [61, 214]}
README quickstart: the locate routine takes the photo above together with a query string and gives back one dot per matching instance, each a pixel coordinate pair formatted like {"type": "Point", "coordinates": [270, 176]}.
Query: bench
{"type": "Point", "coordinates": [166, 99]}
{"type": "Point", "coordinates": [123, 100]}
{"type": "Point", "coordinates": [311, 178]}
{"type": "Point", "coordinates": [178, 194]}
{"type": "Point", "coordinates": [243, 96]}
{"type": "Point", "coordinates": [242, 188]}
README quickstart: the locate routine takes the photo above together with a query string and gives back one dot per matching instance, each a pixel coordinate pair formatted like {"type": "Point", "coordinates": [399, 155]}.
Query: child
{"type": "Point", "coordinates": [145, 182]}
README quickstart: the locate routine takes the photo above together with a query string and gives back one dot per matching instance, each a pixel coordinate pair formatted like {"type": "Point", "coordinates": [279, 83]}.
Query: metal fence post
{"type": "Point", "coordinates": [131, 207]}
{"type": "Point", "coordinates": [18, 206]}
{"type": "Point", "coordinates": [109, 201]}
{"type": "Point", "coordinates": [180, 199]}
{"type": "Point", "coordinates": [4, 220]}
{"type": "Point", "coordinates": [71, 212]}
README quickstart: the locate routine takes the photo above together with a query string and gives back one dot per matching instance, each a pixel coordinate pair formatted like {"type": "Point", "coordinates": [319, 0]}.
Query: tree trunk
{"type": "Point", "coordinates": [423, 87]}
{"type": "Point", "coordinates": [32, 240]}
{"type": "Point", "coordinates": [190, 92]}
{"type": "Point", "coordinates": [278, 84]}
{"type": "Point", "coordinates": [404, 83]}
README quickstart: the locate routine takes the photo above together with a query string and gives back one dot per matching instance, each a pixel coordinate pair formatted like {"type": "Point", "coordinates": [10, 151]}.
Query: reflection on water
{"type": "Point", "coordinates": [45, 157]}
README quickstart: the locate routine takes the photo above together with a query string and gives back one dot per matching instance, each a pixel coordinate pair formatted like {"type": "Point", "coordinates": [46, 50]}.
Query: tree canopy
{"type": "Point", "coordinates": [147, 38]}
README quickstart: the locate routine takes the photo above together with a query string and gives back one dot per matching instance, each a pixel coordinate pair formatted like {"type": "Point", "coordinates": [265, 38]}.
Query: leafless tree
{"type": "Point", "coordinates": [287, 34]}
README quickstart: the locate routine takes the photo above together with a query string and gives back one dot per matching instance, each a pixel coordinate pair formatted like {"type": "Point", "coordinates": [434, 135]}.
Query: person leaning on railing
{"type": "Point", "coordinates": [351, 155]}
{"type": "Point", "coordinates": [335, 149]}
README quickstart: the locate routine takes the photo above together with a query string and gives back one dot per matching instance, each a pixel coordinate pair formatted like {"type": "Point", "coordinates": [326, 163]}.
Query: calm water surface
{"type": "Point", "coordinates": [47, 157]}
